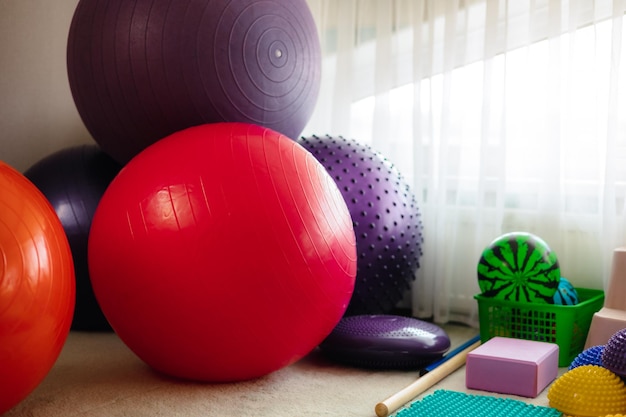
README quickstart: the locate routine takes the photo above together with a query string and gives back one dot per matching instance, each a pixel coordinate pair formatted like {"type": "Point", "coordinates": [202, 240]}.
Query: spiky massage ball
{"type": "Point", "coordinates": [589, 356]}
{"type": "Point", "coordinates": [614, 355]}
{"type": "Point", "coordinates": [588, 391]}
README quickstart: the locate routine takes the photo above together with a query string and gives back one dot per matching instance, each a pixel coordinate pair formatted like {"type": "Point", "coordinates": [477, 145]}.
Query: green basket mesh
{"type": "Point", "coordinates": [565, 325]}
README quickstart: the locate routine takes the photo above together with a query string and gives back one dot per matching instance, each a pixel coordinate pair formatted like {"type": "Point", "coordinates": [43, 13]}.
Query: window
{"type": "Point", "coordinates": [503, 115]}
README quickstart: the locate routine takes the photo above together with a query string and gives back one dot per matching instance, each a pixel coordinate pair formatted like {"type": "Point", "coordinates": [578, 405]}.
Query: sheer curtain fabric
{"type": "Point", "coordinates": [502, 115]}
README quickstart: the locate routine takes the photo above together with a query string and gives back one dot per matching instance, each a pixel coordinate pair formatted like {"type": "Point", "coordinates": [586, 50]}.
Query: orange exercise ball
{"type": "Point", "coordinates": [37, 287]}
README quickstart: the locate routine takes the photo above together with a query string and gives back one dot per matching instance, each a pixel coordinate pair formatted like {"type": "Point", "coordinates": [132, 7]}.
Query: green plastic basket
{"type": "Point", "coordinates": [567, 326]}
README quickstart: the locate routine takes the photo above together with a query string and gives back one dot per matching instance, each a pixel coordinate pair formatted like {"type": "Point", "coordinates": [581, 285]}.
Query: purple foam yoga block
{"type": "Point", "coordinates": [512, 366]}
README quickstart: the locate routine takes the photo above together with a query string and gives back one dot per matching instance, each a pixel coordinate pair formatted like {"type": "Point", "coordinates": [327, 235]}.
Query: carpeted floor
{"type": "Point", "coordinates": [97, 375]}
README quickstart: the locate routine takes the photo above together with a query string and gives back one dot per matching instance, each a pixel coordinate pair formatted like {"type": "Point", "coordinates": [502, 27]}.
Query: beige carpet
{"type": "Point", "coordinates": [97, 375]}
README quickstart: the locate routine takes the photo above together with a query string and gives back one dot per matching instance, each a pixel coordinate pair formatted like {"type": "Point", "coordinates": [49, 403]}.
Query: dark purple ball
{"type": "Point", "coordinates": [73, 180]}
{"type": "Point", "coordinates": [386, 218]}
{"type": "Point", "coordinates": [141, 70]}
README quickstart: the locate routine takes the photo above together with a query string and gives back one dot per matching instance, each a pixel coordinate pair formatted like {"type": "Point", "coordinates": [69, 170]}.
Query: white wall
{"type": "Point", "coordinates": [37, 112]}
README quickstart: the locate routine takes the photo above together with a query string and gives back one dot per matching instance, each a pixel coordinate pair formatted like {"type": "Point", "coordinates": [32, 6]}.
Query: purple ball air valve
{"type": "Point", "coordinates": [385, 342]}
{"type": "Point", "coordinates": [141, 70]}
{"type": "Point", "coordinates": [386, 218]}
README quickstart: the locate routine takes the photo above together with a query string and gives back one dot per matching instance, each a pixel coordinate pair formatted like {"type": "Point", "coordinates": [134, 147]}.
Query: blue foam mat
{"type": "Point", "coordinates": [444, 403]}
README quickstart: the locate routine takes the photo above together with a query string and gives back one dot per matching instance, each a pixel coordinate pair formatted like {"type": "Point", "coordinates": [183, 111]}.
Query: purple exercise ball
{"type": "Point", "coordinates": [141, 70]}
{"type": "Point", "coordinates": [73, 180]}
{"type": "Point", "coordinates": [386, 219]}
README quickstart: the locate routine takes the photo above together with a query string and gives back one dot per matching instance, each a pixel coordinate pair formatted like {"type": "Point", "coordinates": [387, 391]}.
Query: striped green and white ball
{"type": "Point", "coordinates": [520, 267]}
{"type": "Point", "coordinates": [566, 294]}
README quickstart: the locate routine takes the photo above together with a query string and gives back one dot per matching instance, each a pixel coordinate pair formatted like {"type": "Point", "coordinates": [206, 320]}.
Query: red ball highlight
{"type": "Point", "coordinates": [223, 252]}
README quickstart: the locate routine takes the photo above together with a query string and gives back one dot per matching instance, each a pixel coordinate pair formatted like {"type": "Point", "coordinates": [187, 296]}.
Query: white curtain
{"type": "Point", "coordinates": [502, 115]}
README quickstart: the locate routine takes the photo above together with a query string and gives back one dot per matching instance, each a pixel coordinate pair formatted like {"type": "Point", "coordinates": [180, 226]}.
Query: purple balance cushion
{"type": "Point", "coordinates": [385, 342]}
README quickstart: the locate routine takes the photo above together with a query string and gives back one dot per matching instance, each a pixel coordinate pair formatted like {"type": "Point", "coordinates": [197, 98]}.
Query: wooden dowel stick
{"type": "Point", "coordinates": [397, 400]}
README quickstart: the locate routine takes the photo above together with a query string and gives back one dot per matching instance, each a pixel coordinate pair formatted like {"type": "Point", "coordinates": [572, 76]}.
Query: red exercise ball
{"type": "Point", "coordinates": [223, 252]}
{"type": "Point", "coordinates": [37, 288]}
{"type": "Point", "coordinates": [141, 70]}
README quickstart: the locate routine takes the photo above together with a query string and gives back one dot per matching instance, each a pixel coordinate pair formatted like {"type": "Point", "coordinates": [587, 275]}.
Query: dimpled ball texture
{"type": "Point", "coordinates": [588, 391]}
{"type": "Point", "coordinates": [386, 219]}
{"type": "Point", "coordinates": [141, 70]}
{"type": "Point", "coordinates": [614, 354]}
{"type": "Point", "coordinates": [589, 356]}
{"type": "Point", "coordinates": [222, 252]}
